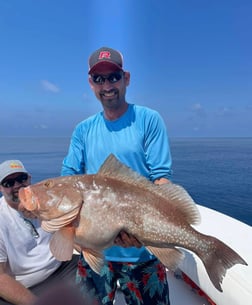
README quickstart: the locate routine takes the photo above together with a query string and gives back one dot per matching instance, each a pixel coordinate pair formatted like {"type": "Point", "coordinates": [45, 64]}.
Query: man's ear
{"type": "Point", "coordinates": [127, 78]}
{"type": "Point", "coordinates": [90, 82]}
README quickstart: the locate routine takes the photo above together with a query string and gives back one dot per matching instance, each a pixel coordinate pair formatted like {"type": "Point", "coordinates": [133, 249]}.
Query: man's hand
{"type": "Point", "coordinates": [126, 240]}
{"type": "Point", "coordinates": [161, 181]}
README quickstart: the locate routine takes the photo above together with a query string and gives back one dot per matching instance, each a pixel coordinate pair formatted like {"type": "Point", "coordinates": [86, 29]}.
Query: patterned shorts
{"type": "Point", "coordinates": [141, 283]}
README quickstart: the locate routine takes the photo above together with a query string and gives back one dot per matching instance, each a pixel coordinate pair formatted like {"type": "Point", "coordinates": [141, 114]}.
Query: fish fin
{"type": "Point", "coordinates": [181, 200]}
{"type": "Point", "coordinates": [170, 257]}
{"type": "Point", "coordinates": [113, 168]}
{"type": "Point", "coordinates": [62, 243]}
{"type": "Point", "coordinates": [179, 197]}
{"type": "Point", "coordinates": [218, 259]}
{"type": "Point", "coordinates": [95, 259]}
{"type": "Point", "coordinates": [55, 224]}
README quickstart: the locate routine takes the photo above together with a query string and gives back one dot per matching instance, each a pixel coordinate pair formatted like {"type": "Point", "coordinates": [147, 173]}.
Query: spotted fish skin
{"type": "Point", "coordinates": [91, 210]}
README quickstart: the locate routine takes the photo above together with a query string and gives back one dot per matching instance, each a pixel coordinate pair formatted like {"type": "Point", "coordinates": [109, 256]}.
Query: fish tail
{"type": "Point", "coordinates": [218, 260]}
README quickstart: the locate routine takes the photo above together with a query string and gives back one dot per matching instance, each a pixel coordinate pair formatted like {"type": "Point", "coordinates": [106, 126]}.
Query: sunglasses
{"type": "Point", "coordinates": [10, 182]}
{"type": "Point", "coordinates": [112, 78]}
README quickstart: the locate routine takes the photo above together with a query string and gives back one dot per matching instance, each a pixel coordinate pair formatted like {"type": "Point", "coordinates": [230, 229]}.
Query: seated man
{"type": "Point", "coordinates": [26, 264]}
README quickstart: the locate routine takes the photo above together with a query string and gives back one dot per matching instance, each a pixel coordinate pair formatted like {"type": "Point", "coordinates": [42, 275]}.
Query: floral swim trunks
{"type": "Point", "coordinates": [141, 283]}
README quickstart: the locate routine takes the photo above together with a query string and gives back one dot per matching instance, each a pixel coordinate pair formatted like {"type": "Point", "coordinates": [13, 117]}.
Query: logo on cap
{"type": "Point", "coordinates": [104, 55]}
{"type": "Point", "coordinates": [15, 165]}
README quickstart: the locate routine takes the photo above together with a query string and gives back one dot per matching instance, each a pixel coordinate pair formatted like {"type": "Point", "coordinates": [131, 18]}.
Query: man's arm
{"type": "Point", "coordinates": [13, 291]}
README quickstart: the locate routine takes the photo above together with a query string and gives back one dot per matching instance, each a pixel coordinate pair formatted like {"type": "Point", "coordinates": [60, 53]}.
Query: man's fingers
{"type": "Point", "coordinates": [126, 240]}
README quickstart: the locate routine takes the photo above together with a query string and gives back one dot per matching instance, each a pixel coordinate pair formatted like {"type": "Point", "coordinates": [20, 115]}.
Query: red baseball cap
{"type": "Point", "coordinates": [105, 55]}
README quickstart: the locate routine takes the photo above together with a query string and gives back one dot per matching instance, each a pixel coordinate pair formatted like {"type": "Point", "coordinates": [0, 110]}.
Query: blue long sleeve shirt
{"type": "Point", "coordinates": [138, 139]}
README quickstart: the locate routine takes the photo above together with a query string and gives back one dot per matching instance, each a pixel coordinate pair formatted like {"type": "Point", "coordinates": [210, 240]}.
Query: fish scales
{"type": "Point", "coordinates": [133, 216]}
{"type": "Point", "coordinates": [91, 210]}
{"type": "Point", "coordinates": [135, 223]}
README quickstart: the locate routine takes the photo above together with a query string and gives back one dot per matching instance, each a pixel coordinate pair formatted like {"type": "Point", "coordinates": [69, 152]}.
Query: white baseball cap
{"type": "Point", "coordinates": [11, 167]}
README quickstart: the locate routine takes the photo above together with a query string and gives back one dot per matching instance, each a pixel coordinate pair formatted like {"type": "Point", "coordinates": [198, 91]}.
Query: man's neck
{"type": "Point", "coordinates": [113, 114]}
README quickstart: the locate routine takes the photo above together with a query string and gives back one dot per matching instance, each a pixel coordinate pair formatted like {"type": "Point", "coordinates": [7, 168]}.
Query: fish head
{"type": "Point", "coordinates": [52, 198]}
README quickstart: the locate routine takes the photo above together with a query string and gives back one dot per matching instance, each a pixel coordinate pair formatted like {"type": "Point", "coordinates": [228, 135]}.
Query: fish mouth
{"type": "Point", "coordinates": [27, 200]}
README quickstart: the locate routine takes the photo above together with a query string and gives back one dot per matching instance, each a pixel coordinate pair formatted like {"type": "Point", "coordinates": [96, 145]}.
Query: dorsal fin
{"type": "Point", "coordinates": [181, 200]}
{"type": "Point", "coordinates": [113, 168]}
{"type": "Point", "coordinates": [178, 197]}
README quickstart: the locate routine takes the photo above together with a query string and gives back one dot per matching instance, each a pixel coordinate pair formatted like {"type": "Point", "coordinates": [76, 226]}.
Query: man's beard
{"type": "Point", "coordinates": [15, 198]}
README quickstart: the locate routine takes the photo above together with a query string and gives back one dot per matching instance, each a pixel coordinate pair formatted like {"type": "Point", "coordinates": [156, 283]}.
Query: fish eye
{"type": "Point", "coordinates": [48, 183]}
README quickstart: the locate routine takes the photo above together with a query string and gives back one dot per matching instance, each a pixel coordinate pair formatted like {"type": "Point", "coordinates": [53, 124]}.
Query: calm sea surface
{"type": "Point", "coordinates": [217, 172]}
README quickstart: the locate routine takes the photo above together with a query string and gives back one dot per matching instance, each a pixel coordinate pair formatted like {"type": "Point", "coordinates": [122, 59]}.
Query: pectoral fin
{"type": "Point", "coordinates": [62, 243]}
{"type": "Point", "coordinates": [95, 259]}
{"type": "Point", "coordinates": [170, 257]}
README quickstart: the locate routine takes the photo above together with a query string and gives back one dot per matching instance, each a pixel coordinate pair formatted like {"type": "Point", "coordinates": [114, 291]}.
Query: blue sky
{"type": "Point", "coordinates": [189, 59]}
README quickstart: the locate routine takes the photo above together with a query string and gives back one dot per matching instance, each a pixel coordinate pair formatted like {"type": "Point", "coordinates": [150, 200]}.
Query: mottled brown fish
{"type": "Point", "coordinates": [91, 210]}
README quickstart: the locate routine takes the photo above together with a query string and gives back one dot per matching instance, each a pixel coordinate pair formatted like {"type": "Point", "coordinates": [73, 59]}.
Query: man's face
{"type": "Point", "coordinates": [11, 185]}
{"type": "Point", "coordinates": [109, 85]}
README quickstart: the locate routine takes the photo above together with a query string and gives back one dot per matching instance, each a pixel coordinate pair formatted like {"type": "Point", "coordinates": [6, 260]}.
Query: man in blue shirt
{"type": "Point", "coordinates": [137, 136]}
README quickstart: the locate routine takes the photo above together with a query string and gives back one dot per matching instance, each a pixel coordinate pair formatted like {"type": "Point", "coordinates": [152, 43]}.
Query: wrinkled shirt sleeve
{"type": "Point", "coordinates": [73, 163]}
{"type": "Point", "coordinates": [157, 148]}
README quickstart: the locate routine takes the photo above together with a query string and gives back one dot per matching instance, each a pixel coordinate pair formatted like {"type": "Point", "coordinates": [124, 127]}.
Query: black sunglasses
{"type": "Point", "coordinates": [112, 78]}
{"type": "Point", "coordinates": [10, 182]}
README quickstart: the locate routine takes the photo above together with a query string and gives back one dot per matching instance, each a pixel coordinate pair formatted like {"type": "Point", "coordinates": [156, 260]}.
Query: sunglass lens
{"type": "Point", "coordinates": [112, 78]}
{"type": "Point", "coordinates": [22, 178]}
{"type": "Point", "coordinates": [10, 182]}
{"type": "Point", "coordinates": [98, 79]}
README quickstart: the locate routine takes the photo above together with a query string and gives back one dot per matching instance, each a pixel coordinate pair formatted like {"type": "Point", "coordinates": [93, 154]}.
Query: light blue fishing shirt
{"type": "Point", "coordinates": [138, 139]}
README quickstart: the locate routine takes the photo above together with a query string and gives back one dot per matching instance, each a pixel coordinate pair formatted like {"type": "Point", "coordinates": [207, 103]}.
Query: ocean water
{"type": "Point", "coordinates": [217, 172]}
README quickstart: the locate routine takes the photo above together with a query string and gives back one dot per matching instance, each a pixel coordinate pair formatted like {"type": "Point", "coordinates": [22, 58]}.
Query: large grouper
{"type": "Point", "coordinates": [91, 210]}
